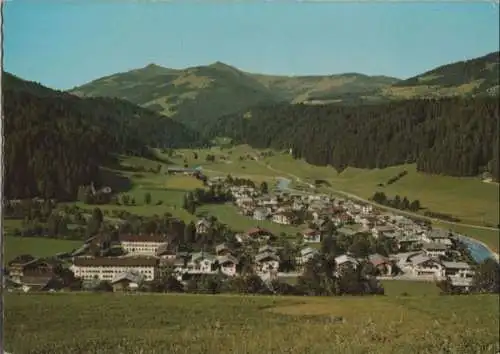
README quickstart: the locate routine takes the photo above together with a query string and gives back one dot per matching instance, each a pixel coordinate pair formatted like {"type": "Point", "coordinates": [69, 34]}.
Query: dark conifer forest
{"type": "Point", "coordinates": [55, 142]}
{"type": "Point", "coordinates": [452, 136]}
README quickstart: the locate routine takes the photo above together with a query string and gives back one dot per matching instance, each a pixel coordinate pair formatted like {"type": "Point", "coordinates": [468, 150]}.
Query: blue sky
{"type": "Point", "coordinates": [64, 44]}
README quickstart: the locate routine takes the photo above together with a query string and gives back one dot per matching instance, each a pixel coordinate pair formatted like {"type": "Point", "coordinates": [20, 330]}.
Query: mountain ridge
{"type": "Point", "coordinates": [199, 94]}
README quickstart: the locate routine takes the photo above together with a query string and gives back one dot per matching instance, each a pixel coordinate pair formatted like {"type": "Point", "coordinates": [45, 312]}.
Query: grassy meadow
{"type": "Point", "coordinates": [159, 323]}
{"type": "Point", "coordinates": [37, 246]}
{"type": "Point", "coordinates": [469, 199]}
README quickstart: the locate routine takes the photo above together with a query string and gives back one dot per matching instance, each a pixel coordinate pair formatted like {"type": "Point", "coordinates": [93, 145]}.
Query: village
{"type": "Point", "coordinates": [412, 249]}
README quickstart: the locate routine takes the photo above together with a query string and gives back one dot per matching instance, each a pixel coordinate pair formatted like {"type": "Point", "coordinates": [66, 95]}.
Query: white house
{"type": "Point", "coordinates": [433, 249]}
{"type": "Point", "coordinates": [201, 263]}
{"type": "Point", "coordinates": [227, 264]}
{"type": "Point", "coordinates": [267, 262]}
{"type": "Point", "coordinates": [202, 226]}
{"type": "Point", "coordinates": [346, 260]}
{"type": "Point", "coordinates": [377, 231]}
{"type": "Point", "coordinates": [422, 265]}
{"type": "Point", "coordinates": [311, 236]}
{"type": "Point", "coordinates": [457, 269]}
{"type": "Point", "coordinates": [142, 245]}
{"type": "Point", "coordinates": [132, 278]}
{"type": "Point", "coordinates": [260, 214]}
{"type": "Point", "coordinates": [283, 218]}
{"type": "Point", "coordinates": [437, 236]}
{"type": "Point", "coordinates": [306, 255]}
{"type": "Point", "coordinates": [107, 268]}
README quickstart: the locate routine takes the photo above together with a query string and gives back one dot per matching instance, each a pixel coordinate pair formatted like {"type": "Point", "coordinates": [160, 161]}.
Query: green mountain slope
{"type": "Point", "coordinates": [473, 77]}
{"type": "Point", "coordinates": [200, 94]}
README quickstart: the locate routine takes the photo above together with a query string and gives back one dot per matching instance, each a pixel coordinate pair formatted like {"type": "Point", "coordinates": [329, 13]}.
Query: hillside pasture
{"type": "Point", "coordinates": [469, 199]}
{"type": "Point", "coordinates": [36, 246]}
{"type": "Point", "coordinates": [160, 323]}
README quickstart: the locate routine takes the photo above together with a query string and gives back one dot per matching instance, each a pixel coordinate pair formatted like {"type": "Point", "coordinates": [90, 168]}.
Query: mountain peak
{"type": "Point", "coordinates": [153, 66]}
{"type": "Point", "coordinates": [221, 65]}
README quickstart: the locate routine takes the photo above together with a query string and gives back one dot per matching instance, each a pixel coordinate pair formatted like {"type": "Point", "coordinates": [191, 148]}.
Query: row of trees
{"type": "Point", "coordinates": [452, 136]}
{"type": "Point", "coordinates": [397, 202]}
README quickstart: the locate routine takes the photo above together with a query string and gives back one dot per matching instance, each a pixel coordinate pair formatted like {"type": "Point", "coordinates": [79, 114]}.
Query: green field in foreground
{"type": "Point", "coordinates": [36, 246]}
{"type": "Point", "coordinates": [158, 323]}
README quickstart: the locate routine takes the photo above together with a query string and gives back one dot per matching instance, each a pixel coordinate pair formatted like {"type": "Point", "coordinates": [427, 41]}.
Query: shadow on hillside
{"type": "Point", "coordinates": [114, 179]}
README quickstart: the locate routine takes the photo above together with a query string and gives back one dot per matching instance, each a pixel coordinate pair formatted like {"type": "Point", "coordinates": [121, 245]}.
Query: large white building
{"type": "Point", "coordinates": [107, 268]}
{"type": "Point", "coordinates": [142, 245]}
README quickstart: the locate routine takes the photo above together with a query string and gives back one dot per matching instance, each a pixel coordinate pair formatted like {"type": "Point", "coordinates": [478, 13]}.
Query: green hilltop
{"type": "Point", "coordinates": [198, 95]}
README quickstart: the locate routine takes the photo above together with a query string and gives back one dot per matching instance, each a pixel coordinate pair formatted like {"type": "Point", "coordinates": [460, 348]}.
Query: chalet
{"type": "Point", "coordinates": [457, 269]}
{"type": "Point", "coordinates": [346, 261]}
{"type": "Point", "coordinates": [201, 262]}
{"type": "Point", "coordinates": [306, 255]}
{"type": "Point", "coordinates": [260, 214]}
{"type": "Point", "coordinates": [202, 226]}
{"type": "Point", "coordinates": [145, 245]}
{"type": "Point", "coordinates": [378, 231]}
{"type": "Point", "coordinates": [258, 233]}
{"type": "Point", "coordinates": [284, 218]}
{"type": "Point", "coordinates": [383, 264]}
{"type": "Point", "coordinates": [311, 236]}
{"type": "Point", "coordinates": [166, 251]}
{"type": "Point", "coordinates": [439, 236]}
{"type": "Point", "coordinates": [28, 266]}
{"type": "Point", "coordinates": [433, 249]}
{"type": "Point", "coordinates": [267, 262]}
{"type": "Point", "coordinates": [222, 250]}
{"type": "Point", "coordinates": [227, 264]}
{"type": "Point", "coordinates": [426, 266]}
{"type": "Point", "coordinates": [130, 280]}
{"type": "Point", "coordinates": [267, 248]}
{"type": "Point", "coordinates": [107, 268]}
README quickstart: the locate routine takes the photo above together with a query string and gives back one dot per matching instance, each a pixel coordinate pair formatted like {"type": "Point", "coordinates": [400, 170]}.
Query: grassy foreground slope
{"type": "Point", "coordinates": [112, 323]}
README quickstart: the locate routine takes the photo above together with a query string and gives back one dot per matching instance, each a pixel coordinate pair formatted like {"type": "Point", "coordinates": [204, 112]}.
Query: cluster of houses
{"type": "Point", "coordinates": [425, 247]}
{"type": "Point", "coordinates": [425, 252]}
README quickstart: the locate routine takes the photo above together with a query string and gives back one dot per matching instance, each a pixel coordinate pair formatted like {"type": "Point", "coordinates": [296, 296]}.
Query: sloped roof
{"type": "Point", "coordinates": [308, 250]}
{"type": "Point", "coordinates": [133, 277]}
{"type": "Point", "coordinates": [142, 238]}
{"type": "Point", "coordinates": [434, 246]}
{"type": "Point", "coordinates": [115, 261]}
{"type": "Point", "coordinates": [267, 248]}
{"type": "Point", "coordinates": [456, 265]}
{"type": "Point", "coordinates": [421, 258]}
{"type": "Point", "coordinates": [227, 259]}
{"type": "Point", "coordinates": [377, 259]}
{"type": "Point", "coordinates": [262, 256]}
{"type": "Point", "coordinates": [345, 258]}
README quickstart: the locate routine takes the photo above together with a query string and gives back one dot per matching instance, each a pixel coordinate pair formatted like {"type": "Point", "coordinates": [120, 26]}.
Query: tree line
{"type": "Point", "coordinates": [56, 142]}
{"type": "Point", "coordinates": [397, 202]}
{"type": "Point", "coordinates": [450, 136]}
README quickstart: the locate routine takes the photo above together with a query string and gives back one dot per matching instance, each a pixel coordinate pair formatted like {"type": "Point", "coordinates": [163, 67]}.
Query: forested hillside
{"type": "Point", "coordinates": [453, 136]}
{"type": "Point", "coordinates": [198, 95]}
{"type": "Point", "coordinates": [55, 142]}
